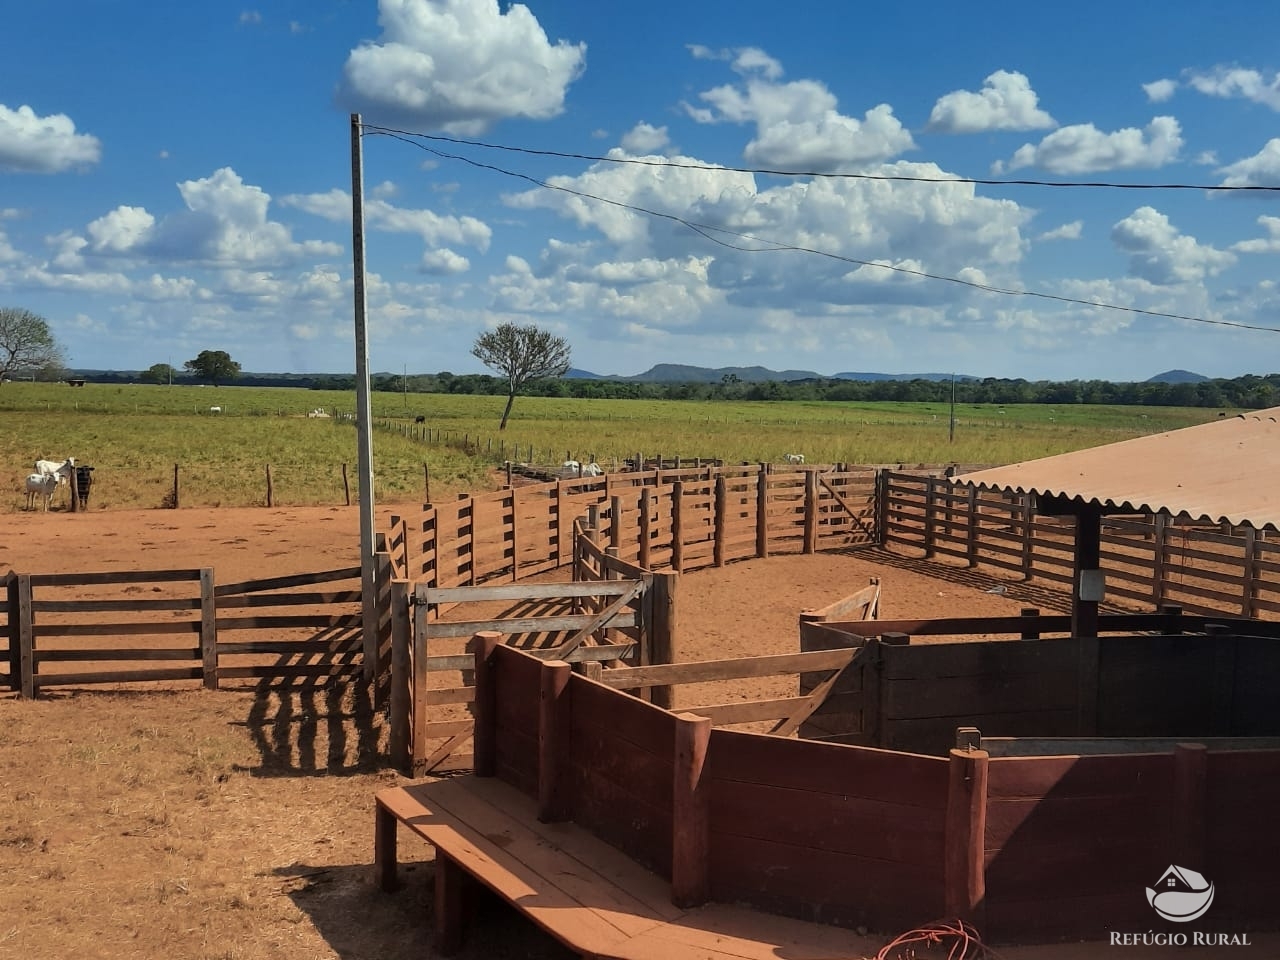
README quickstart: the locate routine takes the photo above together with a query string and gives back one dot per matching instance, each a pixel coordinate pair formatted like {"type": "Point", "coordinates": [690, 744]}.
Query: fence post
{"type": "Point", "coordinates": [346, 485]}
{"type": "Point", "coordinates": [810, 511]}
{"type": "Point", "coordinates": [175, 486]}
{"type": "Point", "coordinates": [485, 759]}
{"type": "Point", "coordinates": [690, 827]}
{"type": "Point", "coordinates": [564, 526]}
{"type": "Point", "coordinates": [1190, 782]}
{"type": "Point", "coordinates": [1028, 532]}
{"type": "Point", "coordinates": [208, 629]}
{"type": "Point", "coordinates": [25, 679]}
{"type": "Point", "coordinates": [1159, 558]}
{"type": "Point", "coordinates": [615, 522]}
{"type": "Point", "coordinates": [721, 518]}
{"type": "Point", "coordinates": [646, 524]}
{"type": "Point", "coordinates": [964, 875]}
{"type": "Point", "coordinates": [663, 629]}
{"type": "Point", "coordinates": [1249, 588]}
{"type": "Point", "coordinates": [882, 506]}
{"type": "Point", "coordinates": [930, 516]}
{"type": "Point", "coordinates": [762, 511]}
{"type": "Point", "coordinates": [972, 546]}
{"type": "Point", "coordinates": [401, 677]}
{"type": "Point", "coordinates": [15, 637]}
{"type": "Point", "coordinates": [677, 526]}
{"type": "Point", "coordinates": [553, 740]}
{"type": "Point", "coordinates": [269, 495]}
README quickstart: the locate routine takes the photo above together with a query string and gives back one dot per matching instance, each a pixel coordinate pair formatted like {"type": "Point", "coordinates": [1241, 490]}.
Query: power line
{"type": "Point", "coordinates": [817, 174]}
{"type": "Point", "coordinates": [707, 230]}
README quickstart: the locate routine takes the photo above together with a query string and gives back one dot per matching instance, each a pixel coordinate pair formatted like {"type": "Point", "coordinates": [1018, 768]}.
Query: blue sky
{"type": "Point", "coordinates": [175, 178]}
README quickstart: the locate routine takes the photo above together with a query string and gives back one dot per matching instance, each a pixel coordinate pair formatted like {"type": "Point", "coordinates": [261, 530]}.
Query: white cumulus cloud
{"type": "Point", "coordinates": [1238, 83]}
{"type": "Point", "coordinates": [1083, 148]}
{"type": "Point", "coordinates": [434, 228]}
{"type": "Point", "coordinates": [1160, 254]}
{"type": "Point", "coordinates": [33, 144]}
{"type": "Point", "coordinates": [1260, 170]}
{"type": "Point", "coordinates": [459, 66]}
{"type": "Point", "coordinates": [444, 261]}
{"type": "Point", "coordinates": [1005, 102]}
{"type": "Point", "coordinates": [644, 138]}
{"type": "Point", "coordinates": [1268, 244]}
{"type": "Point", "coordinates": [798, 125]}
{"type": "Point", "coordinates": [1068, 231]}
{"type": "Point", "coordinates": [1158, 91]}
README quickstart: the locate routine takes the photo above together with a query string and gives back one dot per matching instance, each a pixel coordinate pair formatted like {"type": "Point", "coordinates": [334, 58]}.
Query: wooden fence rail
{"type": "Point", "coordinates": [1147, 559]}
{"type": "Point", "coordinates": [76, 629]}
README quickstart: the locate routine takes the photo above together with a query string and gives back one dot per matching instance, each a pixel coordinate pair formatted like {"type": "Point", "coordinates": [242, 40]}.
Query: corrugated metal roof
{"type": "Point", "coordinates": [1224, 470]}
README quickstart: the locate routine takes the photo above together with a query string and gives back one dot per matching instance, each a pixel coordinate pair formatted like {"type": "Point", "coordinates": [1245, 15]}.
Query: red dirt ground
{"type": "Point", "coordinates": [237, 825]}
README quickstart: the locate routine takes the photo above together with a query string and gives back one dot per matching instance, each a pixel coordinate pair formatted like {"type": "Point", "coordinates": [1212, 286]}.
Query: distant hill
{"type": "Point", "coordinates": [1177, 376]}
{"type": "Point", "coordinates": [685, 373]}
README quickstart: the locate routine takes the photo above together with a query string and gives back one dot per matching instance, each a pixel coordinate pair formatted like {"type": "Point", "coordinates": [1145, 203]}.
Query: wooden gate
{"type": "Point", "coordinates": [432, 686]}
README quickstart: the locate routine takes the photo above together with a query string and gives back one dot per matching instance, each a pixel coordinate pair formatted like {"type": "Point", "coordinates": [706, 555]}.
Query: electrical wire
{"type": "Point", "coordinates": [706, 231]}
{"type": "Point", "coordinates": [819, 174]}
{"type": "Point", "coordinates": [957, 937]}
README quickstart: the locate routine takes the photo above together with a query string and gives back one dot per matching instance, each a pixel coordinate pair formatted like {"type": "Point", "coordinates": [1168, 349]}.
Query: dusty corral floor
{"type": "Point", "coordinates": [237, 825]}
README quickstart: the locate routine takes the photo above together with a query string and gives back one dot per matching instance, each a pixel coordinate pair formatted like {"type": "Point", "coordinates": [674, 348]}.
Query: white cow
{"type": "Point", "coordinates": [572, 469]}
{"type": "Point", "coordinates": [60, 471]}
{"type": "Point", "coordinates": [794, 458]}
{"type": "Point", "coordinates": [41, 486]}
{"type": "Point", "coordinates": [215, 409]}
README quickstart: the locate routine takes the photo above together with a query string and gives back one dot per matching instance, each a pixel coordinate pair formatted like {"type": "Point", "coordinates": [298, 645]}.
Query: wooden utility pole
{"type": "Point", "coordinates": [364, 425]}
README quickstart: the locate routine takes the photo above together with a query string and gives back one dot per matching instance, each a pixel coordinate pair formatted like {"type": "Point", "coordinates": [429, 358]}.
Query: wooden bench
{"type": "Point", "coordinates": [582, 891]}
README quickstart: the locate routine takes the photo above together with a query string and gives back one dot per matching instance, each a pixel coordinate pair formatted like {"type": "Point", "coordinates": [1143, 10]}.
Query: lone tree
{"type": "Point", "coordinates": [521, 354]}
{"type": "Point", "coordinates": [26, 344]}
{"type": "Point", "coordinates": [213, 365]}
{"type": "Point", "coordinates": [158, 373]}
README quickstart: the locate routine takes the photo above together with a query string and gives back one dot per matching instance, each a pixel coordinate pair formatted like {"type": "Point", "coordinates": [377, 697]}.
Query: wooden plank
{"type": "Point", "coordinates": [424, 593]}
{"type": "Point", "coordinates": [979, 659]}
{"type": "Point", "coordinates": [115, 654]}
{"type": "Point", "coordinates": [964, 877]}
{"type": "Point", "coordinates": [288, 599]}
{"type": "Point", "coordinates": [859, 826]}
{"type": "Point", "coordinates": [107, 606]}
{"type": "Point", "coordinates": [25, 680]}
{"type": "Point", "coordinates": [624, 618]}
{"type": "Point", "coordinates": [1094, 746]}
{"type": "Point", "coordinates": [901, 778]}
{"type": "Point", "coordinates": [116, 629]}
{"type": "Point", "coordinates": [603, 653]}
{"type": "Point", "coordinates": [1074, 776]}
{"type": "Point", "coordinates": [998, 691]}
{"type": "Point", "coordinates": [119, 676]}
{"type": "Point", "coordinates": [351, 620]}
{"type": "Point", "coordinates": [280, 583]}
{"type": "Point", "coordinates": [628, 678]}
{"type": "Point", "coordinates": [602, 619]}
{"type": "Point", "coordinates": [350, 643]}
{"type": "Point", "coordinates": [293, 671]}
{"type": "Point", "coordinates": [111, 577]}
{"type": "Point", "coordinates": [748, 711]}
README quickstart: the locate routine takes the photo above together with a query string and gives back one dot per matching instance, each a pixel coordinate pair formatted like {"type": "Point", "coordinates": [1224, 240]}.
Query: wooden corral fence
{"type": "Point", "coordinates": [724, 815]}
{"type": "Point", "coordinates": [1189, 676]}
{"type": "Point", "coordinates": [77, 629]}
{"type": "Point", "coordinates": [1148, 559]}
{"type": "Point", "coordinates": [606, 616]}
{"type": "Point", "coordinates": [1003, 842]}
{"type": "Point", "coordinates": [684, 519]}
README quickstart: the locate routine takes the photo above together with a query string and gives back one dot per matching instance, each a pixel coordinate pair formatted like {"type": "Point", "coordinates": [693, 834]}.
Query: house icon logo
{"type": "Point", "coordinates": [1180, 895]}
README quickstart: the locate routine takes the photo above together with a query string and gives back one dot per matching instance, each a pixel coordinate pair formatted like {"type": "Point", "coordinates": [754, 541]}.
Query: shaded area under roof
{"type": "Point", "coordinates": [1224, 470]}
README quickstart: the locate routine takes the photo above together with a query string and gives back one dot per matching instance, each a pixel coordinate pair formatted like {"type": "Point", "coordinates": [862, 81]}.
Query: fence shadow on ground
{"type": "Point", "coordinates": [316, 727]}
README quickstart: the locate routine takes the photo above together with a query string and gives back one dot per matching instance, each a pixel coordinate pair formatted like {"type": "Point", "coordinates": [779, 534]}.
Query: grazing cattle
{"type": "Point", "coordinates": [572, 469]}
{"type": "Point", "coordinates": [41, 486]}
{"type": "Point", "coordinates": [60, 471]}
{"type": "Point", "coordinates": [419, 419]}
{"type": "Point", "coordinates": [84, 484]}
{"type": "Point", "coordinates": [794, 458]}
{"type": "Point", "coordinates": [318, 413]}
{"type": "Point", "coordinates": [215, 409]}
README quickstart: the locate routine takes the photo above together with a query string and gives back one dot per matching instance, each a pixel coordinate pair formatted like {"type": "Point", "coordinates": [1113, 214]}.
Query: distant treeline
{"type": "Point", "coordinates": [1242, 392]}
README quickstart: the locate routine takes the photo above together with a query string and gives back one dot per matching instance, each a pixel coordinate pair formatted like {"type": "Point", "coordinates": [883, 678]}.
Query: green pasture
{"type": "Point", "coordinates": [133, 435]}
